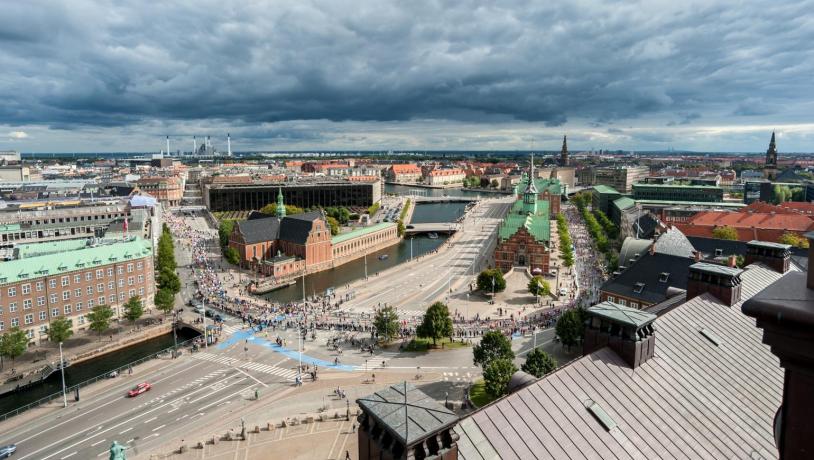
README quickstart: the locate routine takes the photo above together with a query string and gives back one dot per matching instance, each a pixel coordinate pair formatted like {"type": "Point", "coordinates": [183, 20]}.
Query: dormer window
{"type": "Point", "coordinates": [719, 252]}
{"type": "Point", "coordinates": [638, 288]}
{"type": "Point", "coordinates": [663, 277]}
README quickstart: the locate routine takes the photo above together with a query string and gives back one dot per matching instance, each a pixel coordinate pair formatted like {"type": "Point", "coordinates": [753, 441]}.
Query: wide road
{"type": "Point", "coordinates": [412, 286]}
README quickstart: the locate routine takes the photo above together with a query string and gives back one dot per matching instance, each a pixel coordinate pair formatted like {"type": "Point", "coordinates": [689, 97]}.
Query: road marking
{"type": "Point", "coordinates": [69, 455]}
{"type": "Point", "coordinates": [125, 431]}
{"type": "Point", "coordinates": [182, 417]}
{"type": "Point", "coordinates": [252, 377]}
{"type": "Point", "coordinates": [150, 420]}
{"type": "Point", "coordinates": [158, 427]}
{"type": "Point", "coordinates": [130, 440]}
{"type": "Point", "coordinates": [215, 391]}
{"type": "Point", "coordinates": [104, 453]}
{"type": "Point", "coordinates": [281, 362]}
{"type": "Point", "coordinates": [172, 410]}
{"type": "Point", "coordinates": [97, 443]}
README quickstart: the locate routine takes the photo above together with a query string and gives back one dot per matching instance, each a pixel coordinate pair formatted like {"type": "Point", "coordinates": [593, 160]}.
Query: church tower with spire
{"type": "Point", "coordinates": [770, 167]}
{"type": "Point", "coordinates": [564, 152]}
{"type": "Point", "coordinates": [280, 204]}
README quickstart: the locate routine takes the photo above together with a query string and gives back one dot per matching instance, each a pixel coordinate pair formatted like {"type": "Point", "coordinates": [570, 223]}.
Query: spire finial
{"type": "Point", "coordinates": [280, 203]}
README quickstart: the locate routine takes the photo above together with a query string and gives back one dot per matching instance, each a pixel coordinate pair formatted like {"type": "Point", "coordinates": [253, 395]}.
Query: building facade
{"type": "Point", "coordinates": [249, 195]}
{"type": "Point", "coordinates": [675, 192]}
{"type": "Point", "coordinates": [167, 190]}
{"type": "Point", "coordinates": [67, 279]}
{"type": "Point", "coordinates": [404, 173]}
{"type": "Point", "coordinates": [620, 178]}
{"type": "Point", "coordinates": [450, 176]}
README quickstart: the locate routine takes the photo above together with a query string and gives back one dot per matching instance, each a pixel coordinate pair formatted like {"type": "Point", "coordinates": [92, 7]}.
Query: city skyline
{"type": "Point", "coordinates": [88, 77]}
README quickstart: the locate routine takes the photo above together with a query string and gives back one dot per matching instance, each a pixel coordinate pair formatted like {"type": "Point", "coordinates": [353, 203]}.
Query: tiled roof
{"type": "Point", "coordinates": [406, 169]}
{"type": "Point", "coordinates": [692, 400]}
{"type": "Point", "coordinates": [793, 222]}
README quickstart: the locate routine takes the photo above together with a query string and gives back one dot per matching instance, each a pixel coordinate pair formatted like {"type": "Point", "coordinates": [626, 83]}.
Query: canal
{"type": "Point", "coordinates": [318, 283]}
{"type": "Point", "coordinates": [89, 369]}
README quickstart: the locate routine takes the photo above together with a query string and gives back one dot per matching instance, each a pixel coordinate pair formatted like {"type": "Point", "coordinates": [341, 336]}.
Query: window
{"type": "Point", "coordinates": [121, 297]}
{"type": "Point", "coordinates": [40, 286]}
{"type": "Point", "coordinates": [91, 303]}
{"type": "Point", "coordinates": [88, 276]}
{"type": "Point", "coordinates": [2, 326]}
{"type": "Point", "coordinates": [65, 280]}
{"type": "Point", "coordinates": [15, 322]}
{"type": "Point", "coordinates": [140, 279]}
{"type": "Point", "coordinates": [100, 274]}
{"type": "Point", "coordinates": [141, 292]}
{"type": "Point", "coordinates": [121, 282]}
{"type": "Point", "coordinates": [67, 309]}
{"type": "Point", "coordinates": [12, 307]}
{"type": "Point", "coordinates": [66, 295]}
{"type": "Point", "coordinates": [54, 312]}
{"type": "Point", "coordinates": [611, 298]}
{"type": "Point", "coordinates": [131, 293]}
{"type": "Point", "coordinates": [623, 302]}
{"type": "Point", "coordinates": [663, 277]}
{"type": "Point", "coordinates": [100, 287]}
{"type": "Point", "coordinates": [101, 300]}
{"type": "Point", "coordinates": [27, 304]}
{"type": "Point", "coordinates": [77, 278]}
{"type": "Point", "coordinates": [29, 318]}
{"type": "Point", "coordinates": [111, 285]}
{"type": "Point", "coordinates": [52, 283]}
{"type": "Point", "coordinates": [109, 272]}
{"type": "Point", "coordinates": [120, 270]}
{"type": "Point", "coordinates": [89, 290]}
{"type": "Point", "coordinates": [77, 292]}
{"type": "Point", "coordinates": [41, 301]}
{"type": "Point", "coordinates": [129, 268]}
{"type": "Point", "coordinates": [81, 319]}
{"type": "Point", "coordinates": [130, 280]}
{"type": "Point", "coordinates": [634, 304]}
{"type": "Point", "coordinates": [53, 298]}
{"type": "Point", "coordinates": [43, 315]}
{"type": "Point", "coordinates": [139, 266]}
{"type": "Point", "coordinates": [638, 288]}
{"type": "Point", "coordinates": [78, 306]}
{"type": "Point", "coordinates": [12, 292]}
{"type": "Point", "coordinates": [26, 289]}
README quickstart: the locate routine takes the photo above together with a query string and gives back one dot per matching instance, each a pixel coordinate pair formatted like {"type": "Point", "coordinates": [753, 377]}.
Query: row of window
{"type": "Point", "coordinates": [65, 281]}
{"type": "Point", "coordinates": [29, 319]}
{"type": "Point", "coordinates": [100, 288]}
{"type": "Point", "coordinates": [12, 307]}
{"type": "Point", "coordinates": [622, 302]}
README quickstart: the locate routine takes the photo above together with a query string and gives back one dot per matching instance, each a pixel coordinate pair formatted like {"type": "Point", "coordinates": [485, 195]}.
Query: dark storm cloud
{"type": "Point", "coordinates": [120, 63]}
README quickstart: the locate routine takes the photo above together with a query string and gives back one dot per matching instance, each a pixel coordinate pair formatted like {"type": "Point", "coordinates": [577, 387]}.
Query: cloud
{"type": "Point", "coordinates": [17, 135]}
{"type": "Point", "coordinates": [265, 65]}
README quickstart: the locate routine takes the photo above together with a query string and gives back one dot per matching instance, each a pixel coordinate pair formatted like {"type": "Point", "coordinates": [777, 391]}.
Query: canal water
{"type": "Point", "coordinates": [89, 369]}
{"type": "Point", "coordinates": [318, 283]}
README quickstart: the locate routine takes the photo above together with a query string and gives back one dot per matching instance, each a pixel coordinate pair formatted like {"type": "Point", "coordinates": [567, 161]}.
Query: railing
{"type": "Point", "coordinates": [85, 383]}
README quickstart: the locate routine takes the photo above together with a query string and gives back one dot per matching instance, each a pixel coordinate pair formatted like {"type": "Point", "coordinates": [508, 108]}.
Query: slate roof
{"type": "Point", "coordinates": [674, 242]}
{"type": "Point", "coordinates": [646, 224]}
{"type": "Point", "coordinates": [259, 230]}
{"type": "Point", "coordinates": [738, 248]}
{"type": "Point", "coordinates": [647, 269]}
{"type": "Point", "coordinates": [296, 228]}
{"type": "Point", "coordinates": [407, 412]}
{"type": "Point", "coordinates": [269, 228]}
{"type": "Point", "coordinates": [692, 400]}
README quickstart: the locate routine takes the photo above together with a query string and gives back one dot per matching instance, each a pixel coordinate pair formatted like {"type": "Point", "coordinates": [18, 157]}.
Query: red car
{"type": "Point", "coordinates": [139, 389]}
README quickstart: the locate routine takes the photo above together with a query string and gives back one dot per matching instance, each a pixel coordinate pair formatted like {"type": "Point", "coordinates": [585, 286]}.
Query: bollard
{"type": "Point", "coordinates": [182, 449]}
{"type": "Point", "coordinates": [283, 424]}
{"type": "Point", "coordinates": [269, 426]}
{"type": "Point", "coordinates": [214, 440]}
{"type": "Point", "coordinates": [257, 428]}
{"type": "Point", "coordinates": [200, 445]}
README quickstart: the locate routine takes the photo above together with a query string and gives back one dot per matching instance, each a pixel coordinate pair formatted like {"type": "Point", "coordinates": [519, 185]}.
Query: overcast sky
{"type": "Point", "coordinates": [120, 75]}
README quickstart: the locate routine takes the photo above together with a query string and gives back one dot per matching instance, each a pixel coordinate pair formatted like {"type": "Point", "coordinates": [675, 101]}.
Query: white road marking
{"type": "Point", "coordinates": [125, 431]}
{"type": "Point", "coordinates": [158, 427]}
{"type": "Point", "coordinates": [252, 377]}
{"type": "Point", "coordinates": [150, 420]}
{"type": "Point", "coordinates": [69, 455]}
{"type": "Point", "coordinates": [97, 442]}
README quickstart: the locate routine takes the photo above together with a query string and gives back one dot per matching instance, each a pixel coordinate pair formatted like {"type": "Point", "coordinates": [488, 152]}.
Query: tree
{"type": "Point", "coordinates": [539, 287]}
{"type": "Point", "coordinates": [373, 209]}
{"type": "Point", "coordinates": [725, 233]}
{"type": "Point", "coordinates": [485, 280]}
{"type": "Point", "coordinates": [793, 239]}
{"type": "Point", "coordinates": [231, 255]}
{"type": "Point", "coordinates": [484, 181]}
{"type": "Point", "coordinates": [133, 309]}
{"type": "Point", "coordinates": [538, 363]}
{"type": "Point", "coordinates": [387, 323]}
{"type": "Point", "coordinates": [400, 229]}
{"type": "Point", "coordinates": [495, 183]}
{"type": "Point", "coordinates": [167, 279]}
{"type": "Point", "coordinates": [13, 343]}
{"type": "Point", "coordinates": [290, 210]}
{"type": "Point", "coordinates": [493, 345]}
{"type": "Point", "coordinates": [99, 318]}
{"type": "Point", "coordinates": [224, 230]}
{"type": "Point", "coordinates": [59, 330]}
{"type": "Point", "coordinates": [436, 323]}
{"type": "Point", "coordinates": [569, 328]}
{"type": "Point", "coordinates": [164, 300]}
{"type": "Point", "coordinates": [496, 376]}
{"type": "Point", "coordinates": [334, 224]}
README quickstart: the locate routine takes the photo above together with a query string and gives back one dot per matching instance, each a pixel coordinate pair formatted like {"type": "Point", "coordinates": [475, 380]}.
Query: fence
{"type": "Point", "coordinates": [106, 375]}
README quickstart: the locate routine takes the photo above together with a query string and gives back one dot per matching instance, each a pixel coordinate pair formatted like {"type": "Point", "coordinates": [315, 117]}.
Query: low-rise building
{"type": "Point", "coordinates": [748, 225]}
{"type": "Point", "coordinates": [449, 176]}
{"type": "Point", "coordinates": [675, 192]}
{"type": "Point", "coordinates": [167, 190]}
{"type": "Point", "coordinates": [404, 173]}
{"type": "Point", "coordinates": [620, 178]}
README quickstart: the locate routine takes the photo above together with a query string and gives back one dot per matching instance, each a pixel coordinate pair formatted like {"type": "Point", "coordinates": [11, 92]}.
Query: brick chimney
{"type": "Point", "coordinates": [627, 331]}
{"type": "Point", "coordinates": [721, 281]}
{"type": "Point", "coordinates": [774, 255]}
{"type": "Point", "coordinates": [785, 312]}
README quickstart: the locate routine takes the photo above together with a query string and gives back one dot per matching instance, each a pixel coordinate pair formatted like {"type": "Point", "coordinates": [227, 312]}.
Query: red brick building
{"type": "Point", "coordinates": [749, 225]}
{"type": "Point", "coordinates": [522, 249]}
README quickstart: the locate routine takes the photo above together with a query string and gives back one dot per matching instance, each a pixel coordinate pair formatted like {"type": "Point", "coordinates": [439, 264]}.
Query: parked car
{"type": "Point", "coordinates": [139, 389]}
{"type": "Point", "coordinates": [563, 291]}
{"type": "Point", "coordinates": [6, 451]}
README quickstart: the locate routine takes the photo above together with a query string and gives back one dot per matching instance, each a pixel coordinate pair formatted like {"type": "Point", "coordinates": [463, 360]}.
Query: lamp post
{"type": "Point", "coordinates": [203, 314]}
{"type": "Point", "coordinates": [62, 368]}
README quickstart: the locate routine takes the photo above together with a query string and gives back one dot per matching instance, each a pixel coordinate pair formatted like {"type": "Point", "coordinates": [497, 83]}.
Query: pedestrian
{"type": "Point", "coordinates": [347, 455]}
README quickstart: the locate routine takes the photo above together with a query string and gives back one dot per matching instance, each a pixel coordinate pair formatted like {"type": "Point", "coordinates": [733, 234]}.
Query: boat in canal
{"type": "Point", "coordinates": [432, 236]}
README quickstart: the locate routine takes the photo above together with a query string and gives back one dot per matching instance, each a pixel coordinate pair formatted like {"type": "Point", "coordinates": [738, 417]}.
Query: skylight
{"type": "Point", "coordinates": [709, 335]}
{"type": "Point", "coordinates": [639, 288]}
{"type": "Point", "coordinates": [601, 416]}
{"type": "Point", "coordinates": [663, 277]}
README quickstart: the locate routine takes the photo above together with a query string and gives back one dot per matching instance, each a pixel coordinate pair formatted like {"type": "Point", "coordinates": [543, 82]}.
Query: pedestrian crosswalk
{"type": "Point", "coordinates": [377, 361]}
{"type": "Point", "coordinates": [228, 329]}
{"type": "Point", "coordinates": [457, 376]}
{"type": "Point", "coordinates": [287, 374]}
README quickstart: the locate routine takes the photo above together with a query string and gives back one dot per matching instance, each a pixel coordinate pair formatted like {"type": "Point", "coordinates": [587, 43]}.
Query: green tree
{"type": "Point", "coordinates": [496, 376]}
{"type": "Point", "coordinates": [373, 209]}
{"type": "Point", "coordinates": [725, 233]}
{"type": "Point", "coordinates": [334, 225]}
{"type": "Point", "coordinates": [539, 287]}
{"type": "Point", "coordinates": [167, 279]}
{"type": "Point", "coordinates": [133, 309]}
{"type": "Point", "coordinates": [495, 183]}
{"type": "Point", "coordinates": [793, 239]}
{"type": "Point", "coordinates": [436, 323]}
{"type": "Point", "coordinates": [484, 182]}
{"type": "Point", "coordinates": [99, 318]}
{"type": "Point", "coordinates": [485, 280]}
{"type": "Point", "coordinates": [538, 363]}
{"type": "Point", "coordinates": [386, 321]}
{"type": "Point", "coordinates": [59, 330]}
{"type": "Point", "coordinates": [231, 255]}
{"type": "Point", "coordinates": [13, 343]}
{"type": "Point", "coordinates": [493, 345]}
{"type": "Point", "coordinates": [569, 328]}
{"type": "Point", "coordinates": [224, 230]}
{"type": "Point", "coordinates": [400, 229]}
{"type": "Point", "coordinates": [164, 300]}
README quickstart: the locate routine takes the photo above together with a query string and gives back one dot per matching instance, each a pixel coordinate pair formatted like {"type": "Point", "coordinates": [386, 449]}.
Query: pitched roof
{"type": "Point", "coordinates": [792, 222]}
{"type": "Point", "coordinates": [645, 276]}
{"type": "Point", "coordinates": [693, 399]}
{"type": "Point", "coordinates": [360, 231]}
{"type": "Point", "coordinates": [605, 189]}
{"type": "Point", "coordinates": [297, 227]}
{"type": "Point", "coordinates": [259, 230]}
{"type": "Point", "coordinates": [406, 169]}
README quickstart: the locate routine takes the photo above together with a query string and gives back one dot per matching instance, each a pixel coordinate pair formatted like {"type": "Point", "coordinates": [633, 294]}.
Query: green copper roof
{"type": "Point", "coordinates": [624, 203]}
{"type": "Point", "coordinates": [605, 189]}
{"type": "Point", "coordinates": [622, 315]}
{"type": "Point", "coordinates": [552, 185]}
{"type": "Point", "coordinates": [537, 225]}
{"type": "Point", "coordinates": [50, 247]}
{"type": "Point", "coordinates": [36, 266]}
{"type": "Point", "coordinates": [9, 228]}
{"type": "Point", "coordinates": [360, 231]}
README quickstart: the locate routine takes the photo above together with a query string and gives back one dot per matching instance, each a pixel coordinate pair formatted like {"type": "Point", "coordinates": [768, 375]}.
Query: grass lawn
{"type": "Point", "coordinates": [426, 345]}
{"type": "Point", "coordinates": [478, 394]}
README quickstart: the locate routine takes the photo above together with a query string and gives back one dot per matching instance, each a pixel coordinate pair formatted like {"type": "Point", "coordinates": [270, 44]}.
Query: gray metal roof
{"type": "Point", "coordinates": [692, 400]}
{"type": "Point", "coordinates": [407, 412]}
{"type": "Point", "coordinates": [621, 314]}
{"type": "Point", "coordinates": [715, 268]}
{"type": "Point", "coordinates": [769, 244]}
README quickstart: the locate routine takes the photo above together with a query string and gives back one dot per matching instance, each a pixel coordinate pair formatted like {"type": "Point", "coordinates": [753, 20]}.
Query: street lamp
{"type": "Point", "coordinates": [62, 368]}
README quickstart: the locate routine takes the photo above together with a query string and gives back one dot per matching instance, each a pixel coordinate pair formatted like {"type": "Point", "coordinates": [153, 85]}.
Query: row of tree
{"type": "Point", "coordinates": [596, 230]}
{"type": "Point", "coordinates": [491, 280]}
{"type": "Point", "coordinates": [566, 245]}
{"type": "Point", "coordinates": [168, 282]}
{"type": "Point", "coordinates": [402, 215]}
{"type": "Point", "coordinates": [495, 356]}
